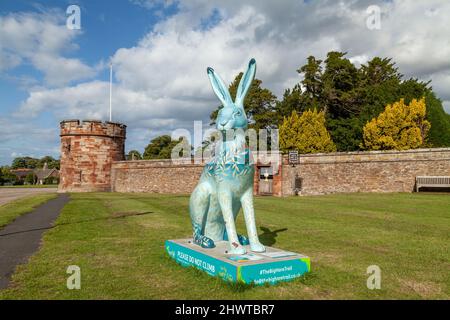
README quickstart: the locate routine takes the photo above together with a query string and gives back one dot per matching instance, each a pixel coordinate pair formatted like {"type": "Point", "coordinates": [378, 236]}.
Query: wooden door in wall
{"type": "Point", "coordinates": [265, 182]}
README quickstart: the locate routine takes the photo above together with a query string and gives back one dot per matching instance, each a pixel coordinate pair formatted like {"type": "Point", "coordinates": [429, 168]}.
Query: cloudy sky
{"type": "Point", "coordinates": [160, 51]}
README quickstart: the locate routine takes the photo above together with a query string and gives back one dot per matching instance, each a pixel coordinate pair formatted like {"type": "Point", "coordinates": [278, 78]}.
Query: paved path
{"type": "Point", "coordinates": [21, 238]}
{"type": "Point", "coordinates": [10, 194]}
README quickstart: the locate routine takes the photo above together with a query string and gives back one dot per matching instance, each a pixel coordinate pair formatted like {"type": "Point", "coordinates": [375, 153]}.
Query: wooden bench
{"type": "Point", "coordinates": [432, 182]}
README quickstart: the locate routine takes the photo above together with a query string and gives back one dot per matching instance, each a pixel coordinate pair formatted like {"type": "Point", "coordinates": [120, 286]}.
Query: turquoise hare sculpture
{"type": "Point", "coordinates": [226, 183]}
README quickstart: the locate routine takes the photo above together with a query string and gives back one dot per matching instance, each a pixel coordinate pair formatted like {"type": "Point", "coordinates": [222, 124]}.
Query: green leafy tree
{"type": "Point", "coordinates": [292, 101]}
{"type": "Point", "coordinates": [161, 147]}
{"type": "Point", "coordinates": [340, 79]}
{"type": "Point", "coordinates": [306, 133]}
{"type": "Point", "coordinates": [312, 82]}
{"type": "Point", "coordinates": [347, 133]}
{"type": "Point", "coordinates": [8, 176]}
{"type": "Point", "coordinates": [380, 83]}
{"type": "Point", "coordinates": [353, 96]}
{"type": "Point", "coordinates": [439, 134]}
{"type": "Point", "coordinates": [134, 155]}
{"type": "Point", "coordinates": [378, 71]}
{"type": "Point", "coordinates": [259, 104]}
{"type": "Point", "coordinates": [18, 163]}
{"type": "Point", "coordinates": [30, 178]}
{"type": "Point", "coordinates": [52, 163]}
{"type": "Point", "coordinates": [25, 162]}
{"type": "Point", "coordinates": [51, 180]}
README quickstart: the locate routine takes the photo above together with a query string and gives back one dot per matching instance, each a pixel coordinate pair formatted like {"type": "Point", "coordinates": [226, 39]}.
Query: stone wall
{"type": "Point", "coordinates": [164, 176]}
{"type": "Point", "coordinates": [88, 149]}
{"type": "Point", "coordinates": [156, 176]}
{"type": "Point", "coordinates": [374, 171]}
{"type": "Point", "coordinates": [92, 154]}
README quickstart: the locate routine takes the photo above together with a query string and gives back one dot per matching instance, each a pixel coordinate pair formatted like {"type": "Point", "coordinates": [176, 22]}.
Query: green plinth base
{"type": "Point", "coordinates": [272, 266]}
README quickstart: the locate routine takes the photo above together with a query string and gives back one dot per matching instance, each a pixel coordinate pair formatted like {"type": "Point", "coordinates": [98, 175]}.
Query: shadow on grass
{"type": "Point", "coordinates": [268, 237]}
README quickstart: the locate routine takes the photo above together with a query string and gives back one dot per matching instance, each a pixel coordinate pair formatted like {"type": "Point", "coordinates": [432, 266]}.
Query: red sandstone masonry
{"type": "Point", "coordinates": [88, 149]}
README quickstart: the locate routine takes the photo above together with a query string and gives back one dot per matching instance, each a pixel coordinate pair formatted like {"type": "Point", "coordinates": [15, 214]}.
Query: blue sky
{"type": "Point", "coordinates": [105, 27]}
{"type": "Point", "coordinates": [160, 50]}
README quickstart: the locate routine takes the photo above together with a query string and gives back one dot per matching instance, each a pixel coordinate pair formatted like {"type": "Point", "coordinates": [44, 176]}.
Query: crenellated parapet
{"type": "Point", "coordinates": [92, 128]}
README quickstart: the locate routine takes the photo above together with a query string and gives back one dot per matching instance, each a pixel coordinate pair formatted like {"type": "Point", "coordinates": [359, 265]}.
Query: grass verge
{"type": "Point", "coordinates": [118, 242]}
{"type": "Point", "coordinates": [18, 207]}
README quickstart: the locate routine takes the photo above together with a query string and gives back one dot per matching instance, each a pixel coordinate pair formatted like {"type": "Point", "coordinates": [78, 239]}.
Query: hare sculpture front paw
{"type": "Point", "coordinates": [237, 249]}
{"type": "Point", "coordinates": [257, 247]}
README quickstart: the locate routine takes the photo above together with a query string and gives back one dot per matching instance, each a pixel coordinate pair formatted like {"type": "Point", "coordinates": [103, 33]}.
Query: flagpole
{"type": "Point", "coordinates": [110, 92]}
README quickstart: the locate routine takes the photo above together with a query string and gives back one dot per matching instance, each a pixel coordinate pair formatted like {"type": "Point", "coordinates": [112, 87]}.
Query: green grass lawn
{"type": "Point", "coordinates": [118, 242]}
{"type": "Point", "coordinates": [13, 209]}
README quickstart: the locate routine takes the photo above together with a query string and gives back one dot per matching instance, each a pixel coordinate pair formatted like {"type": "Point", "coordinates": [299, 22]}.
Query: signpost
{"type": "Point", "coordinates": [293, 158]}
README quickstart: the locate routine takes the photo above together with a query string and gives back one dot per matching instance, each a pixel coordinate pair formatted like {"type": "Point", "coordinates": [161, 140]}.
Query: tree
{"type": "Point", "coordinates": [306, 133]}
{"type": "Point", "coordinates": [51, 180]}
{"type": "Point", "coordinates": [18, 162]}
{"type": "Point", "coordinates": [259, 104]}
{"type": "Point", "coordinates": [439, 134]}
{"type": "Point", "coordinates": [399, 127]}
{"type": "Point", "coordinates": [353, 96]}
{"type": "Point", "coordinates": [161, 147]}
{"type": "Point", "coordinates": [340, 86]}
{"type": "Point", "coordinates": [30, 178]}
{"type": "Point", "coordinates": [25, 162]}
{"type": "Point", "coordinates": [292, 101]}
{"type": "Point", "coordinates": [378, 71]}
{"type": "Point", "coordinates": [134, 155]}
{"type": "Point", "coordinates": [347, 133]}
{"type": "Point", "coordinates": [52, 163]}
{"type": "Point", "coordinates": [379, 86]}
{"type": "Point", "coordinates": [312, 82]}
{"type": "Point", "coordinates": [8, 176]}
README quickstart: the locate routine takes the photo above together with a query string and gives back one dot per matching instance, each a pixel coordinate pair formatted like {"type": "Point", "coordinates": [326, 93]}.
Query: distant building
{"type": "Point", "coordinates": [40, 174]}
{"type": "Point", "coordinates": [45, 173]}
{"type": "Point", "coordinates": [21, 173]}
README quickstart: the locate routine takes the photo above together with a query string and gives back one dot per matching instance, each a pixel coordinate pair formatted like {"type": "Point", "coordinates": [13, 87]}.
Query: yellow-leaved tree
{"type": "Point", "coordinates": [399, 127]}
{"type": "Point", "coordinates": [306, 133]}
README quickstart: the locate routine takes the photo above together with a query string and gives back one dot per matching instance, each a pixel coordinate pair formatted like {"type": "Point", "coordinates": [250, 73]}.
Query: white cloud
{"type": "Point", "coordinates": [161, 82]}
{"type": "Point", "coordinates": [41, 39]}
{"type": "Point", "coordinates": [20, 137]}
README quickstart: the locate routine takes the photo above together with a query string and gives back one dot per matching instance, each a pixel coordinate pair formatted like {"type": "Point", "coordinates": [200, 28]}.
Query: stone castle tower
{"type": "Point", "coordinates": [88, 149]}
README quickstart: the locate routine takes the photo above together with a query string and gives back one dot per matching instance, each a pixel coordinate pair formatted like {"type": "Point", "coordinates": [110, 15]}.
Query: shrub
{"type": "Point", "coordinates": [399, 127]}
{"type": "Point", "coordinates": [306, 133]}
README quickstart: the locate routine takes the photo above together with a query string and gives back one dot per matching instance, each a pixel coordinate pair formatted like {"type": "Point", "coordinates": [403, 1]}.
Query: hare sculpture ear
{"type": "Point", "coordinates": [219, 88]}
{"type": "Point", "coordinates": [245, 83]}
